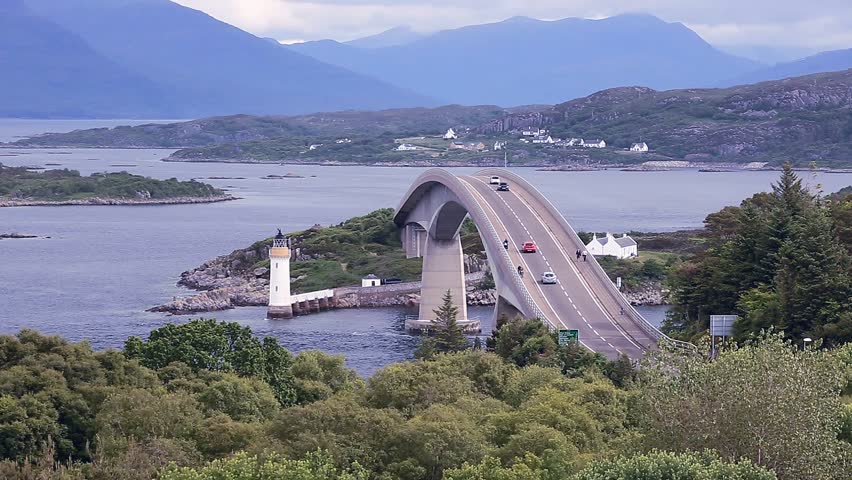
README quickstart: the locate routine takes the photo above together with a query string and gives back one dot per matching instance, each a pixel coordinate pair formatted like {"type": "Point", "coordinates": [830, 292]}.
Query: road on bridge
{"type": "Point", "coordinates": [579, 300]}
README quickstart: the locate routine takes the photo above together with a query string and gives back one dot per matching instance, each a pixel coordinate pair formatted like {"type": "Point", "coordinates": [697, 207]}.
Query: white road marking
{"type": "Point", "coordinates": [484, 204]}
{"type": "Point", "coordinates": [583, 282]}
{"type": "Point", "coordinates": [618, 328]}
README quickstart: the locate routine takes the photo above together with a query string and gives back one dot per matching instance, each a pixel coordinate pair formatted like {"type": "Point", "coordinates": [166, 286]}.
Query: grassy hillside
{"type": "Point", "coordinates": [800, 120]}
{"type": "Point", "coordinates": [298, 130]}
{"type": "Point", "coordinates": [328, 257]}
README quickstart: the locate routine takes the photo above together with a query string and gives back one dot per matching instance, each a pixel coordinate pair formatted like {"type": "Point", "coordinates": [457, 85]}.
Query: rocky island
{"type": "Point", "coordinates": [20, 186]}
{"type": "Point", "coordinates": [338, 256]}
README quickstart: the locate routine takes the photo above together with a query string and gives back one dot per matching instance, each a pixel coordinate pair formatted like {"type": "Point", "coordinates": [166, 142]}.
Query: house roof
{"type": "Point", "coordinates": [371, 277]}
{"type": "Point", "coordinates": [594, 141]}
{"type": "Point", "coordinates": [625, 242]}
{"type": "Point", "coordinates": [641, 144]}
{"type": "Point", "coordinates": [603, 240]}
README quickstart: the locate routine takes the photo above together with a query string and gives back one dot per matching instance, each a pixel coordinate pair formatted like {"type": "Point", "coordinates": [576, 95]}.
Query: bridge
{"type": "Point", "coordinates": [584, 298]}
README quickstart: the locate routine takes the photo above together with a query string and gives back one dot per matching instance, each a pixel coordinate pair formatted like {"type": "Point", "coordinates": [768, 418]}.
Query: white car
{"type": "Point", "coordinates": [548, 278]}
{"type": "Point", "coordinates": [495, 181]}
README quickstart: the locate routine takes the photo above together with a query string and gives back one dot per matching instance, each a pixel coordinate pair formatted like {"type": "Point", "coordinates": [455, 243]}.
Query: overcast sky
{"type": "Point", "coordinates": [812, 24]}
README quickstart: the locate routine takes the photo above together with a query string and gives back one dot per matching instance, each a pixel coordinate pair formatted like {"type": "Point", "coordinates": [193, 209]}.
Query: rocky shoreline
{"type": "Point", "coordinates": [98, 201]}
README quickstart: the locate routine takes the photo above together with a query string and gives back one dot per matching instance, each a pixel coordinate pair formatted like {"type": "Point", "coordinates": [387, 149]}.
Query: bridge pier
{"type": "Point", "coordinates": [323, 304]}
{"type": "Point", "coordinates": [443, 271]}
{"type": "Point", "coordinates": [505, 308]}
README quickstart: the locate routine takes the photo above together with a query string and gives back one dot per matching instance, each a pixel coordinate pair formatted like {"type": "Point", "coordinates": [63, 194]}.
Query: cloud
{"type": "Point", "coordinates": [821, 24]}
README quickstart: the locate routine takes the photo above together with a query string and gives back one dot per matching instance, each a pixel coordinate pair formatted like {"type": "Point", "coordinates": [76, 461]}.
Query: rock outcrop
{"type": "Point", "coordinates": [649, 293]}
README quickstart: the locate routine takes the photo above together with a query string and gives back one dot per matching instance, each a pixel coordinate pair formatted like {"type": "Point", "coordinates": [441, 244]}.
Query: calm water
{"type": "Point", "coordinates": [103, 266]}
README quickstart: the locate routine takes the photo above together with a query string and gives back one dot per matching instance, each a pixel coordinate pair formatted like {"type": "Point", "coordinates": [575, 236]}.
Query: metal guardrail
{"type": "Point", "coordinates": [599, 272]}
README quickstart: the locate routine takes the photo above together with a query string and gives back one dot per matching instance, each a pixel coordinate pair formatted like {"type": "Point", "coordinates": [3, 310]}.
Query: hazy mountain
{"type": "Point", "coordinates": [211, 67]}
{"type": "Point", "coordinates": [768, 54]}
{"type": "Point", "coordinates": [832, 61]}
{"type": "Point", "coordinates": [49, 71]}
{"type": "Point", "coordinates": [389, 38]}
{"type": "Point", "coordinates": [527, 61]}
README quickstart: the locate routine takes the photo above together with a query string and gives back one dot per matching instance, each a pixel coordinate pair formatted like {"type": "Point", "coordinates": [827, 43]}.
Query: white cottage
{"type": "Point", "coordinates": [371, 281]}
{"type": "Point", "coordinates": [450, 135]}
{"type": "Point", "coordinates": [543, 139]}
{"type": "Point", "coordinates": [619, 247]}
{"type": "Point", "coordinates": [639, 147]}
{"type": "Point", "coordinates": [406, 147]}
{"type": "Point", "coordinates": [594, 144]}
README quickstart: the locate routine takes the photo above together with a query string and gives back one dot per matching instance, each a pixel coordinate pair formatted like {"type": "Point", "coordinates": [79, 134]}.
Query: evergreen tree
{"type": "Point", "coordinates": [449, 336]}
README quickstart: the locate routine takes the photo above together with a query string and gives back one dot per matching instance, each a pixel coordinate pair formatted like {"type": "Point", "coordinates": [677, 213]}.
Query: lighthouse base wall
{"type": "Point", "coordinates": [279, 312]}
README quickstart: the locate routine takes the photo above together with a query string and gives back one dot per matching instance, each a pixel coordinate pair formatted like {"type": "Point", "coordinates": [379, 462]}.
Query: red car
{"type": "Point", "coordinates": [529, 247]}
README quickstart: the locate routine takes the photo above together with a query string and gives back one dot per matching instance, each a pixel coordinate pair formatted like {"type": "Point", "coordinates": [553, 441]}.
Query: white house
{"type": "Point", "coordinates": [594, 144]}
{"type": "Point", "coordinates": [533, 132]}
{"type": "Point", "coordinates": [371, 281]}
{"type": "Point", "coordinates": [406, 147]}
{"type": "Point", "coordinates": [639, 147]}
{"type": "Point", "coordinates": [618, 247]}
{"type": "Point", "coordinates": [575, 142]}
{"type": "Point", "coordinates": [450, 135]}
{"type": "Point", "coordinates": [498, 145]}
{"type": "Point", "coordinates": [543, 139]}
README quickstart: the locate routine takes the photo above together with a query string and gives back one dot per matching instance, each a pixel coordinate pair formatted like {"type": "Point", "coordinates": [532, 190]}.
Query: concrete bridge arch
{"type": "Point", "coordinates": [430, 217]}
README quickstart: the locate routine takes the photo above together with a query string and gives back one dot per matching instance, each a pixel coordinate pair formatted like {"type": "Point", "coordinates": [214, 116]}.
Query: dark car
{"type": "Point", "coordinates": [503, 187]}
{"type": "Point", "coordinates": [391, 281]}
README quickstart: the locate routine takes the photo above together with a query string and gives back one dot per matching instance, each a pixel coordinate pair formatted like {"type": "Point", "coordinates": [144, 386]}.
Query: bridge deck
{"type": "Point", "coordinates": [577, 301]}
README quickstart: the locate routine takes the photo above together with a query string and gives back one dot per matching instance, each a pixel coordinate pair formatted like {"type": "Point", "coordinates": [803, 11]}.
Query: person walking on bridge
{"type": "Point", "coordinates": [520, 271]}
{"type": "Point", "coordinates": [585, 253]}
{"type": "Point", "coordinates": [578, 253]}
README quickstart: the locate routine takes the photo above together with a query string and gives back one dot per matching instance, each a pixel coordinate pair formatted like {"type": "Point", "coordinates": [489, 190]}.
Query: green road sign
{"type": "Point", "coordinates": [566, 336]}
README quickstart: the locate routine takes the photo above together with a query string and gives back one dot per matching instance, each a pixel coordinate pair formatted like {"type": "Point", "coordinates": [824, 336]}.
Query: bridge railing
{"type": "Point", "coordinates": [646, 326]}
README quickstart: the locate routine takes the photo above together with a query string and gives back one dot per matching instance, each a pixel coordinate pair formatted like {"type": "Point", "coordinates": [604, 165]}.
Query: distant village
{"type": "Point", "coordinates": [530, 136]}
{"type": "Point", "coordinates": [453, 141]}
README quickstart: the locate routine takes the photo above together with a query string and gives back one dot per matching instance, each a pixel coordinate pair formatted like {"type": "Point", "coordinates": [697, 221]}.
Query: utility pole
{"type": "Point", "coordinates": [505, 158]}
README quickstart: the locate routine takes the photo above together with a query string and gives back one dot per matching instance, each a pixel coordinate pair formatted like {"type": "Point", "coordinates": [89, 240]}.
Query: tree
{"type": "Point", "coordinates": [672, 466]}
{"type": "Point", "coordinates": [766, 401]}
{"type": "Point", "coordinates": [449, 336]}
{"type": "Point", "coordinates": [316, 466]}
{"type": "Point", "coordinates": [319, 376]}
{"type": "Point", "coordinates": [522, 341]}
{"type": "Point", "coordinates": [205, 344]}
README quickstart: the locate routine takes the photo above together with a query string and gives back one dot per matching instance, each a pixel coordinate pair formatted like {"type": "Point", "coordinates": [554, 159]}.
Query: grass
{"type": "Point", "coordinates": [340, 255]}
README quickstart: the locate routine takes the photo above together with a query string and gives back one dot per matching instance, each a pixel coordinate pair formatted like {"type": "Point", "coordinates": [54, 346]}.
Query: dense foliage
{"type": "Point", "coordinates": [20, 183]}
{"type": "Point", "coordinates": [67, 412]}
{"type": "Point", "coordinates": [778, 260]}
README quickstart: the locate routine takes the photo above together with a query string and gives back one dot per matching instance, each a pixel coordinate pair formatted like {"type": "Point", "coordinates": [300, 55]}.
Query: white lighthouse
{"type": "Point", "coordinates": [280, 303]}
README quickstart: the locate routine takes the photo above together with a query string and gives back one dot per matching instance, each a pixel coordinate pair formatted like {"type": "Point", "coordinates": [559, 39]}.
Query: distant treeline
{"type": "Point", "coordinates": [22, 183]}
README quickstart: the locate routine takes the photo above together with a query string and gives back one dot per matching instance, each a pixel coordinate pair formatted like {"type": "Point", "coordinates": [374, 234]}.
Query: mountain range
{"type": "Point", "coordinates": [523, 60]}
{"type": "Point", "coordinates": [155, 58]}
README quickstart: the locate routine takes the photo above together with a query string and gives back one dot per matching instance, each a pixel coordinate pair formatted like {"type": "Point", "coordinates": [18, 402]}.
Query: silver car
{"type": "Point", "coordinates": [548, 278]}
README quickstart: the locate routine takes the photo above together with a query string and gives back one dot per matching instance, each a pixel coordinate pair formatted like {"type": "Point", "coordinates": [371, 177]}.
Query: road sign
{"type": "Point", "coordinates": [568, 336]}
{"type": "Point", "coordinates": [722, 325]}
